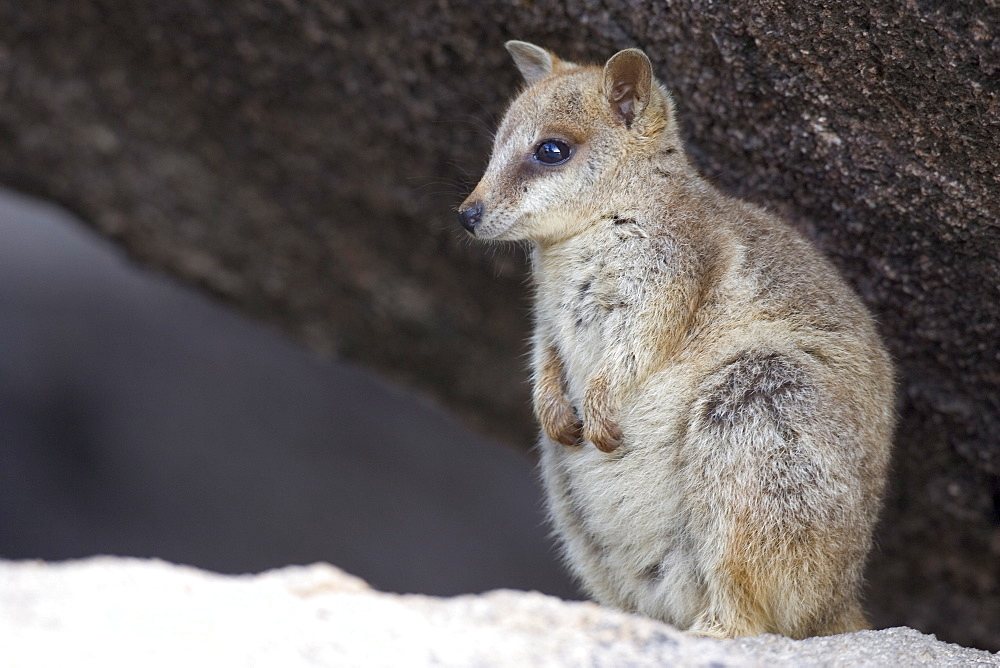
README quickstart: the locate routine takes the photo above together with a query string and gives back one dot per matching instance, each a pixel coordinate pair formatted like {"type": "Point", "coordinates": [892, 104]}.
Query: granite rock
{"type": "Point", "coordinates": [124, 612]}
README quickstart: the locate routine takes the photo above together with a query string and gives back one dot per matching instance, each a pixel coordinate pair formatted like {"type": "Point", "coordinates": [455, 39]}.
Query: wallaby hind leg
{"type": "Point", "coordinates": [851, 618]}
{"type": "Point", "coordinates": [784, 538]}
{"type": "Point", "coordinates": [777, 594]}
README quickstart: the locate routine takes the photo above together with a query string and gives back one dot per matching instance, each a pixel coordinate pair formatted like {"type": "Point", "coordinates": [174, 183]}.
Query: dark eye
{"type": "Point", "coordinates": [552, 152]}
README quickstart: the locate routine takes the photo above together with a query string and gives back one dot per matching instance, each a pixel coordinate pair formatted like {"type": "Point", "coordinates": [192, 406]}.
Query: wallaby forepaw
{"type": "Point", "coordinates": [569, 431]}
{"type": "Point", "coordinates": [600, 425]}
{"type": "Point", "coordinates": [606, 435]}
{"type": "Point", "coordinates": [560, 422]}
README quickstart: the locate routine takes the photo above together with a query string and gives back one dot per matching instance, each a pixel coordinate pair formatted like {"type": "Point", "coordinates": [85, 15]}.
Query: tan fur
{"type": "Point", "coordinates": [735, 389]}
{"type": "Point", "coordinates": [554, 412]}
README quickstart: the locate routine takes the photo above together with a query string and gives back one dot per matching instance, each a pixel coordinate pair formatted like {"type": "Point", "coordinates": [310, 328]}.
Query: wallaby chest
{"type": "Point", "coordinates": [593, 293]}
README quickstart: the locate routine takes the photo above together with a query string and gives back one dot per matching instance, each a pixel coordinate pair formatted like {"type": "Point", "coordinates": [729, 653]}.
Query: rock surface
{"type": "Point", "coordinates": [125, 612]}
{"type": "Point", "coordinates": [300, 160]}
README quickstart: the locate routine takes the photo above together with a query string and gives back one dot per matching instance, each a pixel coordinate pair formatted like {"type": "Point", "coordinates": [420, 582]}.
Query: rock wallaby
{"type": "Point", "coordinates": [716, 406]}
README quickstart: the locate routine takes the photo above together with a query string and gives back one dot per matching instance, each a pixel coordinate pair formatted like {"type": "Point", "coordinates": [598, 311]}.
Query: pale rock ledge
{"type": "Point", "coordinates": [108, 611]}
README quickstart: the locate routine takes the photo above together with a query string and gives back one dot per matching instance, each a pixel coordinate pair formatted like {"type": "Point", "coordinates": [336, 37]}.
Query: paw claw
{"type": "Point", "coordinates": [571, 434]}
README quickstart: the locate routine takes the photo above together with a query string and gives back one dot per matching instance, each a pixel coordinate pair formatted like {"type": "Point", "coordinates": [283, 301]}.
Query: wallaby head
{"type": "Point", "coordinates": [569, 144]}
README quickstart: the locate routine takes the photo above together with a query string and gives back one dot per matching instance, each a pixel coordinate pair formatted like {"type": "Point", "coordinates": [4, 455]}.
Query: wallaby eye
{"type": "Point", "coordinates": [552, 152]}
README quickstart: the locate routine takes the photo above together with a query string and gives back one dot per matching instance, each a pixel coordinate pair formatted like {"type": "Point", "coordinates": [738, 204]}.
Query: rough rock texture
{"type": "Point", "coordinates": [300, 160]}
{"type": "Point", "coordinates": [126, 612]}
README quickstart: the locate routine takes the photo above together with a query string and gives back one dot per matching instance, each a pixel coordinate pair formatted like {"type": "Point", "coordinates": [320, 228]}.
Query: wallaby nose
{"type": "Point", "coordinates": [470, 215]}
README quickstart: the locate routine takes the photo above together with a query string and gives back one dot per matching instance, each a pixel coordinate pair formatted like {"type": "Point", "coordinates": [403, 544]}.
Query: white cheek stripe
{"type": "Point", "coordinates": [513, 149]}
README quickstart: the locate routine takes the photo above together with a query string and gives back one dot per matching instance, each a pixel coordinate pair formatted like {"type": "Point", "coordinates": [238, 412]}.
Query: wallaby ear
{"type": "Point", "coordinates": [534, 62]}
{"type": "Point", "coordinates": [628, 79]}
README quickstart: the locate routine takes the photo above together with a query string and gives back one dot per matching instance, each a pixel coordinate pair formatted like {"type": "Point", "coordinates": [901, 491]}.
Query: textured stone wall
{"type": "Point", "coordinates": [300, 160]}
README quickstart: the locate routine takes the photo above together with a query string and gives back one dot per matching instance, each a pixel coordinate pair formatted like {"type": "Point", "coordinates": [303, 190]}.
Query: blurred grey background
{"type": "Point", "coordinates": [139, 418]}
